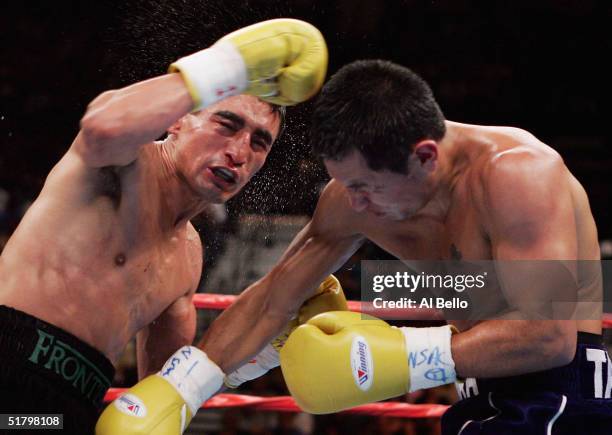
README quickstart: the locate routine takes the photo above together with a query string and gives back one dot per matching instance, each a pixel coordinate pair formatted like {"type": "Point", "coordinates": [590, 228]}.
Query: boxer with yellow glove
{"type": "Point", "coordinates": [329, 297]}
{"type": "Point", "coordinates": [164, 403]}
{"type": "Point", "coordinates": [338, 360]}
{"type": "Point", "coordinates": [281, 61]}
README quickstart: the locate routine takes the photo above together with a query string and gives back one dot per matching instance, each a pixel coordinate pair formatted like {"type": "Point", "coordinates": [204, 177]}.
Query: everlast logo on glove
{"type": "Point", "coordinates": [74, 368]}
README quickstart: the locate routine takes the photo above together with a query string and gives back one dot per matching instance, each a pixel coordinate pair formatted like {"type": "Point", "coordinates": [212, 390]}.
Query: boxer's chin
{"type": "Point", "coordinates": [403, 214]}
{"type": "Point", "coordinates": [211, 190]}
{"type": "Point", "coordinates": [391, 215]}
{"type": "Point", "coordinates": [398, 216]}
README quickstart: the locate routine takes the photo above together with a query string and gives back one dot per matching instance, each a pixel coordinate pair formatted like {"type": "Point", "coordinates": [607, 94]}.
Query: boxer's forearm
{"type": "Point", "coordinates": [143, 358]}
{"type": "Point", "coordinates": [173, 329]}
{"type": "Point", "coordinates": [243, 329]}
{"type": "Point", "coordinates": [264, 309]}
{"type": "Point", "coordinates": [117, 123]}
{"type": "Point", "coordinates": [496, 348]}
{"type": "Point", "coordinates": [152, 352]}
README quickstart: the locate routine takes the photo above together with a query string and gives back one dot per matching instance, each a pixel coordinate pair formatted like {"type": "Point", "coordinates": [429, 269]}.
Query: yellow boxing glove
{"type": "Point", "coordinates": [328, 297]}
{"type": "Point", "coordinates": [338, 360]}
{"type": "Point", "coordinates": [164, 403]}
{"type": "Point", "coordinates": [282, 61]}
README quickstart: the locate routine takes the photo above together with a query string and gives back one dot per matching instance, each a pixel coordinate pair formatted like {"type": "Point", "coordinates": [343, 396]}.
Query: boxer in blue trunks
{"type": "Point", "coordinates": [425, 188]}
{"type": "Point", "coordinates": [567, 400]}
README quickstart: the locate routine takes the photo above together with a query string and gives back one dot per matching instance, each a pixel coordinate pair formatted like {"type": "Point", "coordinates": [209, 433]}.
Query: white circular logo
{"type": "Point", "coordinates": [361, 363]}
{"type": "Point", "coordinates": [131, 405]}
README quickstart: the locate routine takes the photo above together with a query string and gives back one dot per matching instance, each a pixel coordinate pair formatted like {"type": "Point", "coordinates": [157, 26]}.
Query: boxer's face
{"type": "Point", "coordinates": [221, 147]}
{"type": "Point", "coordinates": [385, 194]}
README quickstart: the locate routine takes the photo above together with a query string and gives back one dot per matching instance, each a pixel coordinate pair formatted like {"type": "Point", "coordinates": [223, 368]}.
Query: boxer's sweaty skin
{"type": "Point", "coordinates": [107, 248]}
{"type": "Point", "coordinates": [458, 225]}
{"type": "Point", "coordinates": [497, 193]}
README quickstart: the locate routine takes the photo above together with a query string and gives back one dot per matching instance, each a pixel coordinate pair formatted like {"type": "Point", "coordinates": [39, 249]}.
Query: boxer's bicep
{"type": "Point", "coordinates": [532, 230]}
{"type": "Point", "coordinates": [533, 239]}
{"type": "Point", "coordinates": [118, 122]}
{"type": "Point", "coordinates": [530, 208]}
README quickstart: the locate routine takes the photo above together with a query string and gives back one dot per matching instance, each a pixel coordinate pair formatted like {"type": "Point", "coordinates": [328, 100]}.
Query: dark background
{"type": "Point", "coordinates": [538, 65]}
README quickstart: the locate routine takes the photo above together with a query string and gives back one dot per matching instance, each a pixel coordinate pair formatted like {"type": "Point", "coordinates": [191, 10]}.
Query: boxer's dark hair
{"type": "Point", "coordinates": [378, 108]}
{"type": "Point", "coordinates": [282, 117]}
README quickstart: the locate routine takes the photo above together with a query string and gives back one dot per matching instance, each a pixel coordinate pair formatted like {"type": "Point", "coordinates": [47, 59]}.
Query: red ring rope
{"type": "Point", "coordinates": [221, 302]}
{"type": "Point", "coordinates": [287, 404]}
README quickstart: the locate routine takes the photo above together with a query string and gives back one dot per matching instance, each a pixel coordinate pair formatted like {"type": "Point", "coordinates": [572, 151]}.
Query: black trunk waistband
{"type": "Point", "coordinates": [62, 358]}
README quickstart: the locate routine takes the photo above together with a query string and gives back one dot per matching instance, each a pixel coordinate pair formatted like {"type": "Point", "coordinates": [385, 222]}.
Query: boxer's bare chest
{"type": "Point", "coordinates": [152, 262]}
{"type": "Point", "coordinates": [458, 236]}
{"type": "Point", "coordinates": [99, 266]}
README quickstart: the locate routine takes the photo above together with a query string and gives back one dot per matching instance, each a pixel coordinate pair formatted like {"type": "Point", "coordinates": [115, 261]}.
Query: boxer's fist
{"type": "Point", "coordinates": [328, 297]}
{"type": "Point", "coordinates": [338, 360]}
{"type": "Point", "coordinates": [164, 403]}
{"type": "Point", "coordinates": [286, 59]}
{"type": "Point", "coordinates": [282, 61]}
{"type": "Point", "coordinates": [153, 406]}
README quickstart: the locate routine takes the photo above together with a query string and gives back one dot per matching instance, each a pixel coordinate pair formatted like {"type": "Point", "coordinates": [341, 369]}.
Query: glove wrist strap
{"type": "Point", "coordinates": [212, 74]}
{"type": "Point", "coordinates": [430, 360]}
{"type": "Point", "coordinates": [266, 360]}
{"type": "Point", "coordinates": [193, 375]}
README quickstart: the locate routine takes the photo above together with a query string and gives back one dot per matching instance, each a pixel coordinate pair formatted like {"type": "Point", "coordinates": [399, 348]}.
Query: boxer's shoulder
{"type": "Point", "coordinates": [510, 156]}
{"type": "Point", "coordinates": [73, 171]}
{"type": "Point", "coordinates": [521, 167]}
{"type": "Point", "coordinates": [521, 187]}
{"type": "Point", "coordinates": [511, 145]}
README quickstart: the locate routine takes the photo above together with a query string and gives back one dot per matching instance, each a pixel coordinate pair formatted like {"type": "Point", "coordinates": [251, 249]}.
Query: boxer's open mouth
{"type": "Point", "coordinates": [225, 174]}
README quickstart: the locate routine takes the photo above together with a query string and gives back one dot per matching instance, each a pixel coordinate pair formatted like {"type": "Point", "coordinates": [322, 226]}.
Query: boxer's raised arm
{"type": "Point", "coordinates": [118, 122]}
{"type": "Point", "coordinates": [291, 52]}
{"type": "Point", "coordinates": [533, 238]}
{"type": "Point", "coordinates": [264, 308]}
{"type": "Point", "coordinates": [282, 61]}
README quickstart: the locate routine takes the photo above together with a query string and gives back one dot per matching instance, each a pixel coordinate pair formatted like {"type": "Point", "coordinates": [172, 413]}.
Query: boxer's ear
{"type": "Point", "coordinates": [426, 153]}
{"type": "Point", "coordinates": [184, 121]}
{"type": "Point", "coordinates": [176, 127]}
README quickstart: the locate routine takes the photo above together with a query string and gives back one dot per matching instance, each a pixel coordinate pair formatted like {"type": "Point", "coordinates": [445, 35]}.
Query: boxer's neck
{"type": "Point", "coordinates": [443, 178]}
{"type": "Point", "coordinates": [179, 203]}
